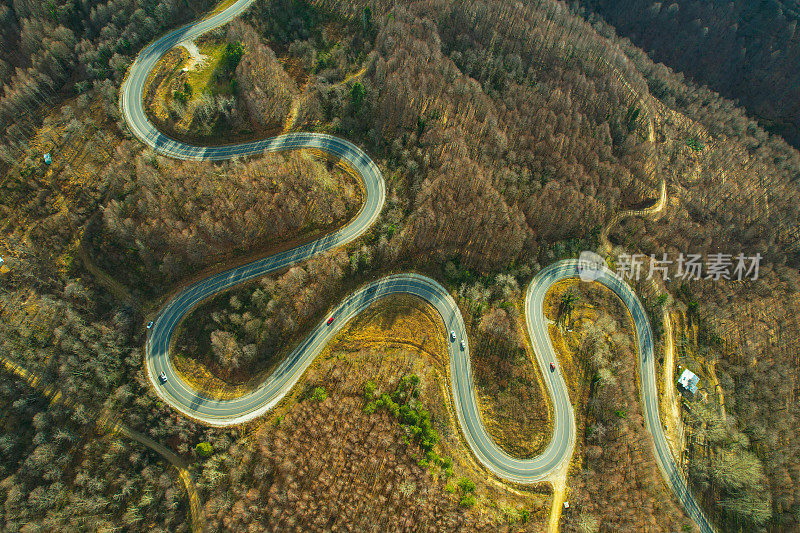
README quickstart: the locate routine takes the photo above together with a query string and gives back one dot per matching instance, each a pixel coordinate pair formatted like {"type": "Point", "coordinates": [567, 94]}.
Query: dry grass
{"type": "Point", "coordinates": [403, 335]}
{"type": "Point", "coordinates": [224, 4]}
{"type": "Point", "coordinates": [172, 73]}
{"type": "Point", "coordinates": [395, 337]}
{"type": "Point", "coordinates": [78, 155]}
{"type": "Point", "coordinates": [199, 377]}
{"type": "Point", "coordinates": [517, 412]}
{"type": "Point", "coordinates": [400, 322]}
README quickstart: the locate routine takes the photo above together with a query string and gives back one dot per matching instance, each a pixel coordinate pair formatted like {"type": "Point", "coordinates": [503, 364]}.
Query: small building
{"type": "Point", "coordinates": [47, 159]}
{"type": "Point", "coordinates": [689, 381]}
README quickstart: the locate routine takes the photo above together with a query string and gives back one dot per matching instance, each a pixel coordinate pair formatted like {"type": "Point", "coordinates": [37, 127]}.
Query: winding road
{"type": "Point", "coordinates": [181, 396]}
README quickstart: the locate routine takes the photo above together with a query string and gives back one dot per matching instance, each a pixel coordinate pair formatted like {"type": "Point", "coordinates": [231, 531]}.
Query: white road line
{"type": "Point", "coordinates": [192, 403]}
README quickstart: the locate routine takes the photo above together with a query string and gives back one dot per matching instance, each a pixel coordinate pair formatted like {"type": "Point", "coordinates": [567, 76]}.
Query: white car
{"type": "Point", "coordinates": [162, 377]}
{"type": "Point", "coordinates": [452, 336]}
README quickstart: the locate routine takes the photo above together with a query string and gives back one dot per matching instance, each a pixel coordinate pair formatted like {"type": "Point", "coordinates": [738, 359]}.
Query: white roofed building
{"type": "Point", "coordinates": [689, 381]}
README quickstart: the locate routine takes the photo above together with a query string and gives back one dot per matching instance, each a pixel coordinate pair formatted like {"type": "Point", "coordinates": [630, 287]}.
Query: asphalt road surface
{"type": "Point", "coordinates": [194, 404]}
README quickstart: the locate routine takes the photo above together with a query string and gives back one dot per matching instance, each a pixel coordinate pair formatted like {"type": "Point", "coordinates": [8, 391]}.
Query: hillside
{"type": "Point", "coordinates": [509, 136]}
{"type": "Point", "coordinates": [746, 51]}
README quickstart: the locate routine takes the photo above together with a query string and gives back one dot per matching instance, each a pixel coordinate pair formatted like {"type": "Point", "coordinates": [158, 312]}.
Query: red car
{"type": "Point", "coordinates": [552, 367]}
{"type": "Point", "coordinates": [330, 321]}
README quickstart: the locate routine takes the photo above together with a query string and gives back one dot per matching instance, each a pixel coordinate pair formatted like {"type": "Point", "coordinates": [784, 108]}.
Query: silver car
{"type": "Point", "coordinates": [452, 336]}
{"type": "Point", "coordinates": [463, 346]}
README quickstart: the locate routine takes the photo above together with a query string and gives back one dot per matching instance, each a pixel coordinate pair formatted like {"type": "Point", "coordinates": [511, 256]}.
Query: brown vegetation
{"type": "Point", "coordinates": [326, 466]}
{"type": "Point", "coordinates": [614, 481]}
{"type": "Point", "coordinates": [311, 453]}
{"type": "Point", "coordinates": [240, 336]}
{"type": "Point", "coordinates": [506, 142]}
{"type": "Point", "coordinates": [511, 394]}
{"type": "Point", "coordinates": [155, 231]}
{"type": "Point", "coordinates": [746, 51]}
{"type": "Point", "coordinates": [238, 91]}
{"type": "Point", "coordinates": [62, 48]}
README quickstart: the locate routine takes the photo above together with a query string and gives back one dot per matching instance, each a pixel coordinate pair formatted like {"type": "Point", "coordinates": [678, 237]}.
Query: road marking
{"type": "Point", "coordinates": [228, 412]}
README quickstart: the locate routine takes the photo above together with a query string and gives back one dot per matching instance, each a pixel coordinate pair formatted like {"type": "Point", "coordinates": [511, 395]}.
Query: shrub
{"type": "Point", "coordinates": [180, 97]}
{"type": "Point", "coordinates": [415, 420]}
{"type": "Point", "coordinates": [231, 56]}
{"type": "Point", "coordinates": [468, 500]}
{"type": "Point", "coordinates": [204, 449]}
{"type": "Point", "coordinates": [466, 485]}
{"type": "Point", "coordinates": [357, 93]}
{"type": "Point", "coordinates": [369, 390]}
{"type": "Point", "coordinates": [319, 394]}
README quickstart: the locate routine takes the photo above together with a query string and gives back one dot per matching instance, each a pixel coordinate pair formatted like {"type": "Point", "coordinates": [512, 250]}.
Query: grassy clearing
{"type": "Point", "coordinates": [398, 322]}
{"type": "Point", "coordinates": [179, 81]}
{"type": "Point", "coordinates": [200, 76]}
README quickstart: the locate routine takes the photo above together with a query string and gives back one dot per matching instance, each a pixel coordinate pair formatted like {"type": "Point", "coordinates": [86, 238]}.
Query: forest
{"type": "Point", "coordinates": [746, 51]}
{"type": "Point", "coordinates": [508, 133]}
{"type": "Point", "coordinates": [597, 353]}
{"type": "Point", "coordinates": [52, 50]}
